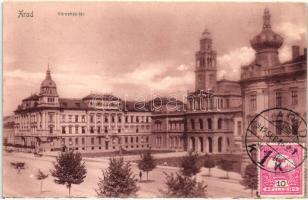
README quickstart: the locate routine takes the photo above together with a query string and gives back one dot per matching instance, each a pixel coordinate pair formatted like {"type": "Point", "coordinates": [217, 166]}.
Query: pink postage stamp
{"type": "Point", "coordinates": [283, 170]}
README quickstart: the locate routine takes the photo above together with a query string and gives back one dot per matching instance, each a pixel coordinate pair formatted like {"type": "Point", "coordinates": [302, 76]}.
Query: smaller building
{"type": "Point", "coordinates": [168, 124]}
{"type": "Point", "coordinates": [8, 130]}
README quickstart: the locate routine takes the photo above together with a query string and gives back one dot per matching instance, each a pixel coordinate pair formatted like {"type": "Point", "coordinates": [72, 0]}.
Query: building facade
{"type": "Point", "coordinates": [168, 124]}
{"type": "Point", "coordinates": [97, 122]}
{"type": "Point", "coordinates": [211, 122]}
{"type": "Point", "coordinates": [268, 83]}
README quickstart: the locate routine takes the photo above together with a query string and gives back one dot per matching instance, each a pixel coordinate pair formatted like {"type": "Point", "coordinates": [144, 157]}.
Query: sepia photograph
{"type": "Point", "coordinates": [154, 99]}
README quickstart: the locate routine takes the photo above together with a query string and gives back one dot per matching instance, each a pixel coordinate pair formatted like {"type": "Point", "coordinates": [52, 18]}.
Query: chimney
{"type": "Point", "coordinates": [295, 52]}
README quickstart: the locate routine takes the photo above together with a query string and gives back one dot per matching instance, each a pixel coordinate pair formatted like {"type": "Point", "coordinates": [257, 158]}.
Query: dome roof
{"type": "Point", "coordinates": [48, 82]}
{"type": "Point", "coordinates": [206, 35]}
{"type": "Point", "coordinates": [48, 86]}
{"type": "Point", "coordinates": [267, 38]}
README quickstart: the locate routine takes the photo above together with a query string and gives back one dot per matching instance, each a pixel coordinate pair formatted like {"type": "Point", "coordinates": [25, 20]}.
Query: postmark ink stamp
{"type": "Point", "coordinates": [278, 126]}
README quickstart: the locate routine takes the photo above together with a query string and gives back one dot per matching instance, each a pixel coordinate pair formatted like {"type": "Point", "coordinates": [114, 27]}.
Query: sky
{"type": "Point", "coordinates": [135, 50]}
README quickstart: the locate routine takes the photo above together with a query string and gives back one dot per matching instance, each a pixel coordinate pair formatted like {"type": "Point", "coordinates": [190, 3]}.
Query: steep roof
{"type": "Point", "coordinates": [135, 106]}
{"type": "Point", "coordinates": [165, 101]}
{"type": "Point", "coordinates": [32, 97]}
{"type": "Point", "coordinates": [106, 97]}
{"type": "Point", "coordinates": [74, 104]}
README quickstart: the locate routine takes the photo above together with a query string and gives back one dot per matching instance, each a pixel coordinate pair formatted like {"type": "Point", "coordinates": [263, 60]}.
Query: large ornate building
{"type": "Point", "coordinates": [212, 120]}
{"type": "Point", "coordinates": [97, 122]}
{"type": "Point", "coordinates": [267, 83]}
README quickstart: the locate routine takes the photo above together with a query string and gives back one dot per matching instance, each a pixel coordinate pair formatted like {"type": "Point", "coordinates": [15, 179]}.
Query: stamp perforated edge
{"type": "Point", "coordinates": [304, 176]}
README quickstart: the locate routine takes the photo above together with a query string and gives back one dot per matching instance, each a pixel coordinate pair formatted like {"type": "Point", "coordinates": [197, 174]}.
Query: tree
{"type": "Point", "coordinates": [190, 165]}
{"type": "Point", "coordinates": [41, 176]}
{"type": "Point", "coordinates": [209, 163]}
{"type": "Point", "coordinates": [183, 186]}
{"type": "Point", "coordinates": [69, 169]}
{"type": "Point", "coordinates": [147, 162]}
{"type": "Point", "coordinates": [227, 166]}
{"type": "Point", "coordinates": [118, 180]}
{"type": "Point", "coordinates": [250, 179]}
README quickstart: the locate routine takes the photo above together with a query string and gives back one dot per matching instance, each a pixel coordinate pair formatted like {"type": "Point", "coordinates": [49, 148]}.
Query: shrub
{"type": "Point", "coordinates": [190, 165]}
{"type": "Point", "coordinates": [118, 180]}
{"type": "Point", "coordinates": [183, 186]}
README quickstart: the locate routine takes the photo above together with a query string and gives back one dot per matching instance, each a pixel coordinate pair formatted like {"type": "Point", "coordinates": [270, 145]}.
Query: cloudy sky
{"type": "Point", "coordinates": [133, 50]}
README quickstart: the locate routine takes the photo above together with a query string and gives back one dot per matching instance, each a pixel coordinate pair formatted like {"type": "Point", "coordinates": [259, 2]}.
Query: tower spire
{"type": "Point", "coordinates": [266, 19]}
{"type": "Point", "coordinates": [48, 76]}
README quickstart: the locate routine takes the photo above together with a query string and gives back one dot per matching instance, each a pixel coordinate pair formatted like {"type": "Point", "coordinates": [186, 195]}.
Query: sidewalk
{"type": "Point", "coordinates": [127, 157]}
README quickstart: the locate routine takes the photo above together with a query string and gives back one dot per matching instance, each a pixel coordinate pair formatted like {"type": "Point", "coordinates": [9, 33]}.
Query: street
{"type": "Point", "coordinates": [26, 185]}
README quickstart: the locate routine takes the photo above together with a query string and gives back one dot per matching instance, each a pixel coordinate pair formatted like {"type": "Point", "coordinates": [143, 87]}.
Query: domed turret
{"type": "Point", "coordinates": [266, 44]}
{"type": "Point", "coordinates": [267, 38]}
{"type": "Point", "coordinates": [48, 86]}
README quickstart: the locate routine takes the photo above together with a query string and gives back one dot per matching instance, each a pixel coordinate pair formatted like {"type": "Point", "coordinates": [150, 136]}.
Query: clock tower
{"type": "Point", "coordinates": [205, 70]}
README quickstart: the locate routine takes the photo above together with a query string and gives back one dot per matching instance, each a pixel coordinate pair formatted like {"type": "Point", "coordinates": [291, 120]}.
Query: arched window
{"type": "Point", "coordinates": [193, 145]}
{"type": "Point", "coordinates": [201, 144]}
{"type": "Point", "coordinates": [210, 144]}
{"type": "Point", "coordinates": [201, 123]}
{"type": "Point", "coordinates": [219, 144]}
{"type": "Point", "coordinates": [219, 124]}
{"type": "Point", "coordinates": [192, 121]}
{"type": "Point", "coordinates": [226, 123]}
{"type": "Point", "coordinates": [209, 123]}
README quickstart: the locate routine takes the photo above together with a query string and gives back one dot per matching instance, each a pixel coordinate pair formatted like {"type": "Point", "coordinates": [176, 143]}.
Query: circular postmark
{"type": "Point", "coordinates": [275, 140]}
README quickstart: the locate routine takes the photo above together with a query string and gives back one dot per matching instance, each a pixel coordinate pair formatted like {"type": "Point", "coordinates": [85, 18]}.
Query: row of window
{"type": "Point", "coordinates": [203, 62]}
{"type": "Point", "coordinates": [106, 147]}
{"type": "Point", "coordinates": [50, 99]}
{"type": "Point", "coordinates": [278, 99]}
{"type": "Point", "coordinates": [204, 103]}
{"type": "Point", "coordinates": [26, 119]}
{"type": "Point", "coordinates": [77, 118]}
{"type": "Point", "coordinates": [200, 140]}
{"type": "Point", "coordinates": [113, 118]}
{"type": "Point", "coordinates": [171, 126]}
{"type": "Point", "coordinates": [69, 129]}
{"type": "Point", "coordinates": [209, 123]}
{"type": "Point", "coordinates": [99, 141]}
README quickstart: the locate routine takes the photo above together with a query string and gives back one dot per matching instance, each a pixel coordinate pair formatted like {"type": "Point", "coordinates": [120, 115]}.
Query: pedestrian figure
{"type": "Point", "coordinates": [257, 194]}
{"type": "Point", "coordinates": [140, 175]}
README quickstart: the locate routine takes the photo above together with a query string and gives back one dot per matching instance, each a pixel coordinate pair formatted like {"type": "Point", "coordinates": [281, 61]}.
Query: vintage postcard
{"type": "Point", "coordinates": [154, 99]}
